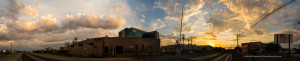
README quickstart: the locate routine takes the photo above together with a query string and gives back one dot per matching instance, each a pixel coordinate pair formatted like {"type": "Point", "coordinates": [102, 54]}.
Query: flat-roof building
{"type": "Point", "coordinates": [131, 43]}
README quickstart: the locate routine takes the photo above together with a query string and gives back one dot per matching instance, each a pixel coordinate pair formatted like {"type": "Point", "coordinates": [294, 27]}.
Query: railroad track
{"type": "Point", "coordinates": [26, 58]}
{"type": "Point", "coordinates": [31, 57]}
{"type": "Point", "coordinates": [224, 57]}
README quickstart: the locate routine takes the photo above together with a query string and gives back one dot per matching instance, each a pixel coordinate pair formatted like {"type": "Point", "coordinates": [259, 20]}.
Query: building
{"type": "Point", "coordinates": [133, 32]}
{"type": "Point", "coordinates": [62, 48]}
{"type": "Point", "coordinates": [3, 51]}
{"type": "Point", "coordinates": [253, 47]}
{"type": "Point", "coordinates": [283, 38]}
{"type": "Point", "coordinates": [49, 49]}
{"type": "Point", "coordinates": [170, 49]}
{"type": "Point", "coordinates": [131, 42]}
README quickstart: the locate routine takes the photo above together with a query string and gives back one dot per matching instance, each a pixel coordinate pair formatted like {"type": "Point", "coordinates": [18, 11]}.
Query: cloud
{"type": "Point", "coordinates": [93, 21]}
{"type": "Point", "coordinates": [29, 29]}
{"type": "Point", "coordinates": [43, 24]}
{"type": "Point", "coordinates": [173, 10]}
{"type": "Point", "coordinates": [30, 11]}
{"type": "Point", "coordinates": [240, 15]}
{"type": "Point", "coordinates": [296, 34]}
{"type": "Point", "coordinates": [157, 24]}
{"type": "Point", "coordinates": [11, 9]}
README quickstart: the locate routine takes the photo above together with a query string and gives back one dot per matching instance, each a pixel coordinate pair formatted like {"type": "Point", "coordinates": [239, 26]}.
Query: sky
{"type": "Point", "coordinates": [37, 24]}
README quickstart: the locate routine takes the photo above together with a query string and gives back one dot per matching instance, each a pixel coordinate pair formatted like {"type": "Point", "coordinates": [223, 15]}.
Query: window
{"type": "Point", "coordinates": [91, 43]}
{"type": "Point", "coordinates": [105, 49]}
{"type": "Point", "coordinates": [80, 45]}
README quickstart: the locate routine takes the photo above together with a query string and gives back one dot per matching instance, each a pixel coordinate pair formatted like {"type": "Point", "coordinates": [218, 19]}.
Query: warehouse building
{"type": "Point", "coordinates": [131, 42]}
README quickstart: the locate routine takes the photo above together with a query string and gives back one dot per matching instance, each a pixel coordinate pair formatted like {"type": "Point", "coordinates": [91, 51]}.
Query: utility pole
{"type": "Point", "coordinates": [237, 40]}
{"type": "Point", "coordinates": [183, 46]}
{"type": "Point", "coordinates": [188, 44]}
{"type": "Point", "coordinates": [192, 43]}
{"type": "Point", "coordinates": [289, 59]}
{"type": "Point", "coordinates": [277, 46]}
{"type": "Point", "coordinates": [180, 30]}
{"type": "Point", "coordinates": [10, 46]}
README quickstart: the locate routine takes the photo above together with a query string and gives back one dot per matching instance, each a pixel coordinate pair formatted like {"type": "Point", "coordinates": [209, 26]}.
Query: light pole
{"type": "Point", "coordinates": [11, 45]}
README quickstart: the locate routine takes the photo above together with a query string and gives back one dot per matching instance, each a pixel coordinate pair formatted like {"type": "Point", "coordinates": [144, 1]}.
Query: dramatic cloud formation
{"type": "Point", "coordinates": [226, 18]}
{"type": "Point", "coordinates": [93, 21]}
{"type": "Point", "coordinates": [242, 14]}
{"type": "Point", "coordinates": [38, 24]}
{"type": "Point", "coordinates": [11, 9]}
{"type": "Point", "coordinates": [24, 25]}
{"type": "Point", "coordinates": [157, 25]}
{"type": "Point", "coordinates": [174, 10]}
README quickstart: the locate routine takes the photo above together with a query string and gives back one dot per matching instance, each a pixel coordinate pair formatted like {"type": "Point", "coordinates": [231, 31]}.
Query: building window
{"type": "Point", "coordinates": [105, 49]}
{"type": "Point", "coordinates": [91, 43]}
{"type": "Point", "coordinates": [80, 45]}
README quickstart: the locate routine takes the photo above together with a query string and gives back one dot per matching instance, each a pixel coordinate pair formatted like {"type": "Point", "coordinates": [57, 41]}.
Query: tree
{"type": "Point", "coordinates": [239, 49]}
{"type": "Point", "coordinates": [271, 47]}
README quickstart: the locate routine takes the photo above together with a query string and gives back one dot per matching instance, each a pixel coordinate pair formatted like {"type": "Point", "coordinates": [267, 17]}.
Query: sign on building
{"type": "Point", "coordinates": [283, 38]}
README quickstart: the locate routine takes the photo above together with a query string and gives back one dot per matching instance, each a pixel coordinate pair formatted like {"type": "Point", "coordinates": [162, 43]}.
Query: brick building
{"type": "Point", "coordinates": [133, 43]}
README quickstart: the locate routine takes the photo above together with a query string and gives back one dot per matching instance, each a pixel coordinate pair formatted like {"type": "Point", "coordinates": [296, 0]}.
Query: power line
{"type": "Point", "coordinates": [268, 14]}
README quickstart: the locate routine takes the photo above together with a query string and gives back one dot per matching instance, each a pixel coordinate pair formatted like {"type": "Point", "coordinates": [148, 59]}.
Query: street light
{"type": "Point", "coordinates": [11, 45]}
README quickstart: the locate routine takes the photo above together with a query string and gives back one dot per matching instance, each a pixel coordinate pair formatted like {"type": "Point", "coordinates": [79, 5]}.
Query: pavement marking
{"type": "Point", "coordinates": [204, 57]}
{"type": "Point", "coordinates": [218, 58]}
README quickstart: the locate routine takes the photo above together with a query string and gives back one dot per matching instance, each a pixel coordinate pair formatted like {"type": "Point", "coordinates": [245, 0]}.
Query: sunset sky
{"type": "Point", "coordinates": [37, 24]}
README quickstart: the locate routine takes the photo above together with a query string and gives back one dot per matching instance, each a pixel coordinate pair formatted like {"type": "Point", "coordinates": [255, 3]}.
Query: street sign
{"type": "Point", "coordinates": [283, 38]}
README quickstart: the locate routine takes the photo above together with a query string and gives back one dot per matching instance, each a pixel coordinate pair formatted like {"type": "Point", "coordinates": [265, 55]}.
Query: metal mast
{"type": "Point", "coordinates": [181, 23]}
{"type": "Point", "coordinates": [180, 29]}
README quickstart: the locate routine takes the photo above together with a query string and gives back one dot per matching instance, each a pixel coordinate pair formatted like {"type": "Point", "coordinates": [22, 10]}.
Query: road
{"type": "Point", "coordinates": [26, 57]}
{"type": "Point", "coordinates": [188, 57]}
